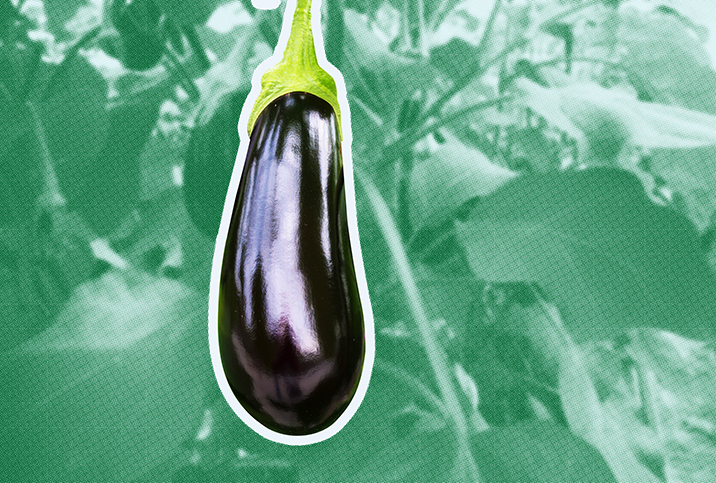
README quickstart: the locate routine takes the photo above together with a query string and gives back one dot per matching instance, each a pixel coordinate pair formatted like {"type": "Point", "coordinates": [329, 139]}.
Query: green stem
{"type": "Point", "coordinates": [335, 32]}
{"type": "Point", "coordinates": [438, 105]}
{"type": "Point", "coordinates": [522, 40]}
{"type": "Point", "coordinates": [298, 70]}
{"type": "Point", "coordinates": [436, 355]}
{"type": "Point", "coordinates": [488, 30]}
{"type": "Point", "coordinates": [52, 194]}
{"type": "Point", "coordinates": [406, 142]}
{"type": "Point", "coordinates": [410, 380]}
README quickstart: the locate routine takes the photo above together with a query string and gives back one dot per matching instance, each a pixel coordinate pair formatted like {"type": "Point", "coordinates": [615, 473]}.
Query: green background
{"type": "Point", "coordinates": [535, 184]}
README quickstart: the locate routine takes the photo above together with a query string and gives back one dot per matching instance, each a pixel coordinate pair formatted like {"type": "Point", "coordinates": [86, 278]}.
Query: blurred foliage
{"type": "Point", "coordinates": [548, 171]}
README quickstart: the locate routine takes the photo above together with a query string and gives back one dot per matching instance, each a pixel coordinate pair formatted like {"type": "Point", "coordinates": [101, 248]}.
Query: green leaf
{"type": "Point", "coordinates": [457, 58]}
{"type": "Point", "coordinates": [209, 161]}
{"type": "Point", "coordinates": [683, 140]}
{"type": "Point", "coordinates": [547, 102]}
{"type": "Point", "coordinates": [608, 257]}
{"type": "Point", "coordinates": [75, 123]}
{"type": "Point", "coordinates": [584, 105]}
{"type": "Point", "coordinates": [537, 451]}
{"type": "Point", "coordinates": [455, 40]}
{"type": "Point", "coordinates": [76, 126]}
{"type": "Point", "coordinates": [232, 72]}
{"type": "Point", "coordinates": [59, 12]}
{"type": "Point", "coordinates": [112, 388]}
{"type": "Point", "coordinates": [453, 174]}
{"type": "Point", "coordinates": [392, 438]}
{"type": "Point", "coordinates": [103, 182]}
{"type": "Point", "coordinates": [381, 78]}
{"type": "Point", "coordinates": [692, 173]}
{"type": "Point", "coordinates": [189, 13]}
{"type": "Point", "coordinates": [661, 48]}
{"type": "Point", "coordinates": [584, 413]}
{"type": "Point", "coordinates": [700, 13]}
{"type": "Point", "coordinates": [21, 169]}
{"type": "Point", "coordinates": [674, 393]}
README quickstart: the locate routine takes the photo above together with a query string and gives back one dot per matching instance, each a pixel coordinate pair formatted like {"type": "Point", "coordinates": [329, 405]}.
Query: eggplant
{"type": "Point", "coordinates": [294, 343]}
{"type": "Point", "coordinates": [291, 331]}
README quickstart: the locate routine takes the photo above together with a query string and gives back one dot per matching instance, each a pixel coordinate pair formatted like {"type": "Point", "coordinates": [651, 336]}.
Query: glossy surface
{"type": "Point", "coordinates": [291, 331]}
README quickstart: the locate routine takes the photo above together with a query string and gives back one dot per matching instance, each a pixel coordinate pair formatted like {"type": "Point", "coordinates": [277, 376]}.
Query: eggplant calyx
{"type": "Point", "coordinates": [298, 70]}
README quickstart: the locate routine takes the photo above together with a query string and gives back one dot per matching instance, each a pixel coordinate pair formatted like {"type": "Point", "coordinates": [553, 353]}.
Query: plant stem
{"type": "Point", "coordinates": [523, 40]}
{"type": "Point", "coordinates": [488, 31]}
{"type": "Point", "coordinates": [400, 373]}
{"type": "Point", "coordinates": [195, 42]}
{"type": "Point", "coordinates": [52, 195]}
{"type": "Point", "coordinates": [438, 104]}
{"type": "Point", "coordinates": [404, 143]}
{"type": "Point", "coordinates": [422, 41]}
{"type": "Point", "coordinates": [175, 67]}
{"type": "Point", "coordinates": [334, 33]}
{"type": "Point", "coordinates": [71, 54]}
{"type": "Point", "coordinates": [436, 355]}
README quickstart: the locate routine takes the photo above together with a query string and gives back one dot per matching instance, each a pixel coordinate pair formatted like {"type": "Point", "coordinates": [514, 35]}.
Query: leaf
{"type": "Point", "coordinates": [660, 48]}
{"type": "Point", "coordinates": [677, 387]}
{"type": "Point", "coordinates": [692, 173]}
{"type": "Point", "coordinates": [21, 173]}
{"type": "Point", "coordinates": [453, 174]}
{"type": "Point", "coordinates": [112, 388]}
{"type": "Point", "coordinates": [380, 77]}
{"type": "Point", "coordinates": [454, 43]}
{"type": "Point", "coordinates": [196, 12]}
{"type": "Point", "coordinates": [75, 123]}
{"type": "Point", "coordinates": [391, 438]}
{"type": "Point", "coordinates": [581, 405]}
{"type": "Point", "coordinates": [466, 21]}
{"type": "Point", "coordinates": [95, 150]}
{"type": "Point", "coordinates": [209, 162]}
{"type": "Point", "coordinates": [547, 103]}
{"type": "Point", "coordinates": [457, 58]}
{"type": "Point", "coordinates": [537, 451]}
{"type": "Point", "coordinates": [227, 17]}
{"type": "Point", "coordinates": [108, 187]}
{"type": "Point", "coordinates": [584, 106]}
{"type": "Point", "coordinates": [164, 228]}
{"type": "Point", "coordinates": [231, 74]}
{"type": "Point", "coordinates": [66, 245]}
{"type": "Point", "coordinates": [59, 12]}
{"type": "Point", "coordinates": [699, 13]}
{"type": "Point", "coordinates": [608, 257]}
{"type": "Point", "coordinates": [161, 156]}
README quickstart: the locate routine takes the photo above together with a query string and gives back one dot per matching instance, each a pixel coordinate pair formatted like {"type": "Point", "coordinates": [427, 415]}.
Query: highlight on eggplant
{"type": "Point", "coordinates": [290, 323]}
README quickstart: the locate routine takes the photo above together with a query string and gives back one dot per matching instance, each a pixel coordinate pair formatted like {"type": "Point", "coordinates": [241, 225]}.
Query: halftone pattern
{"type": "Point", "coordinates": [548, 172]}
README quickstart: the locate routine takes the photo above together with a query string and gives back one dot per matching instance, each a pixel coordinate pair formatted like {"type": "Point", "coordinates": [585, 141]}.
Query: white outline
{"type": "Point", "coordinates": [352, 231]}
{"type": "Point", "coordinates": [266, 4]}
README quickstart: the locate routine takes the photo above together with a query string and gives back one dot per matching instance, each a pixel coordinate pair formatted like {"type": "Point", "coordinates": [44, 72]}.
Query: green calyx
{"type": "Point", "coordinates": [298, 71]}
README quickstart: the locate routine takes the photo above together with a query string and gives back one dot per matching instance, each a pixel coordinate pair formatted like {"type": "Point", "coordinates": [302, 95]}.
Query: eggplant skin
{"type": "Point", "coordinates": [291, 329]}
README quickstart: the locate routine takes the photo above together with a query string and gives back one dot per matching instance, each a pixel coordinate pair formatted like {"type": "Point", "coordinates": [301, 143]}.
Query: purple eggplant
{"type": "Point", "coordinates": [291, 326]}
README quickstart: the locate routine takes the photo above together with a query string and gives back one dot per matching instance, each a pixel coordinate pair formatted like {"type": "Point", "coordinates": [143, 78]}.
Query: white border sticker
{"type": "Point", "coordinates": [352, 231]}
